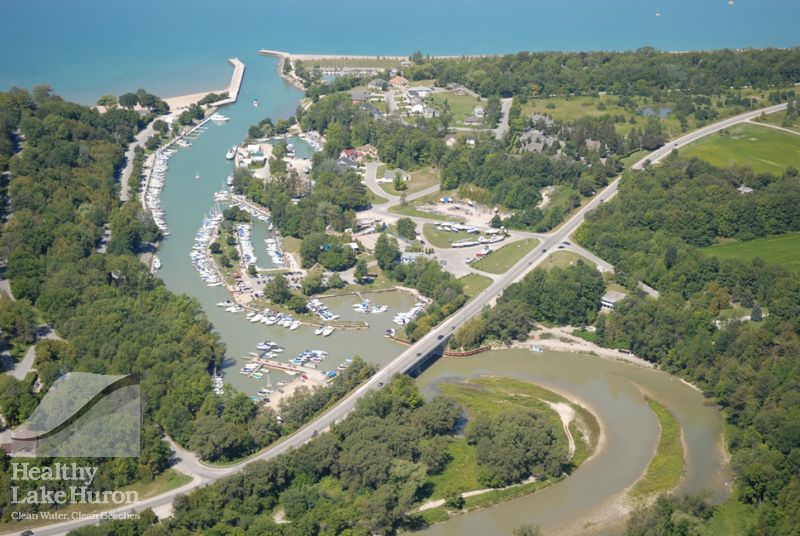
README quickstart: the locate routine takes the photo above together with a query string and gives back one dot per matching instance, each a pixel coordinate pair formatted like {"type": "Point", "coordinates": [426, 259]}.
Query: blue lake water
{"type": "Point", "coordinates": [85, 48]}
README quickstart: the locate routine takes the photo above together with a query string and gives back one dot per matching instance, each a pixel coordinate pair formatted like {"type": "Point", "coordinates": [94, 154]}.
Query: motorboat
{"type": "Point", "coordinates": [231, 154]}
{"type": "Point", "coordinates": [328, 330]}
{"type": "Point", "coordinates": [319, 330]}
{"type": "Point", "coordinates": [294, 325]}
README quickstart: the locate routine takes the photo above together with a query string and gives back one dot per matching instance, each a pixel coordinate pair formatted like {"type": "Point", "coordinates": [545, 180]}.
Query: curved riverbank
{"type": "Point", "coordinates": [594, 498]}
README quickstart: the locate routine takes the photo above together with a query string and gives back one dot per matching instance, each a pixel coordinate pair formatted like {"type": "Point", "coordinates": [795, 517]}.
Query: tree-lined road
{"type": "Point", "coordinates": [414, 355]}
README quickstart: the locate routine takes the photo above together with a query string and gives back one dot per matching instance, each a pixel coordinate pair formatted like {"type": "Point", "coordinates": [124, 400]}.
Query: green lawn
{"type": "Point", "coordinates": [632, 158]}
{"type": "Point", "coordinates": [765, 149]}
{"type": "Point", "coordinates": [667, 466]}
{"type": "Point", "coordinates": [461, 106]}
{"type": "Point", "coordinates": [562, 259]}
{"type": "Point", "coordinates": [419, 180]}
{"type": "Point", "coordinates": [731, 518]}
{"type": "Point", "coordinates": [782, 249]}
{"type": "Point", "coordinates": [778, 119]}
{"type": "Point", "coordinates": [499, 261]}
{"type": "Point", "coordinates": [444, 239]}
{"type": "Point", "coordinates": [460, 474]}
{"type": "Point", "coordinates": [474, 284]}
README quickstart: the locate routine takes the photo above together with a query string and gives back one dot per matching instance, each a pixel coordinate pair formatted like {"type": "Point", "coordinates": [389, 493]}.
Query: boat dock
{"type": "Point", "coordinates": [315, 376]}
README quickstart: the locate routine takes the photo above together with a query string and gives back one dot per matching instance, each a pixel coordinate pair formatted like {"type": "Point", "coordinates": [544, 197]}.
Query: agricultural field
{"type": "Point", "coordinates": [782, 249]}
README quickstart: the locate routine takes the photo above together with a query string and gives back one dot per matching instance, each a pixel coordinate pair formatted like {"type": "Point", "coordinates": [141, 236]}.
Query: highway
{"type": "Point", "coordinates": [415, 354]}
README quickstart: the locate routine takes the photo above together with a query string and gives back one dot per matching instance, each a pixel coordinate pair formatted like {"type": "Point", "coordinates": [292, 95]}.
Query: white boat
{"type": "Point", "coordinates": [219, 118]}
{"type": "Point", "coordinates": [229, 180]}
{"type": "Point", "coordinates": [256, 318]}
{"type": "Point", "coordinates": [328, 330]}
{"type": "Point", "coordinates": [319, 330]}
{"type": "Point", "coordinates": [294, 325]}
{"type": "Point", "coordinates": [156, 263]}
{"type": "Point", "coordinates": [197, 177]}
{"type": "Point", "coordinates": [231, 154]}
{"type": "Point", "coordinates": [255, 102]}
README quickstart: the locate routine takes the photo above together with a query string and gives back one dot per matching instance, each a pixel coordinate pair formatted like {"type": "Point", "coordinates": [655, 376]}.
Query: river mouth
{"type": "Point", "coordinates": [594, 498]}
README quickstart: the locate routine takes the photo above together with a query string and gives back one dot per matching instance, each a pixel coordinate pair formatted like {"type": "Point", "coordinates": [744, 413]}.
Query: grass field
{"type": "Point", "coordinates": [782, 249]}
{"type": "Point", "coordinates": [667, 466]}
{"type": "Point", "coordinates": [474, 284]}
{"type": "Point", "coordinates": [419, 180]}
{"type": "Point", "coordinates": [765, 149]}
{"type": "Point", "coordinates": [461, 106]}
{"type": "Point", "coordinates": [499, 261]}
{"type": "Point", "coordinates": [777, 119]}
{"type": "Point", "coordinates": [562, 259]}
{"type": "Point", "coordinates": [731, 518]}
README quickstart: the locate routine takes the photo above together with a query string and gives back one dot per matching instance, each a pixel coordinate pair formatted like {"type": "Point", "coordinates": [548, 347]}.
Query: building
{"type": "Point", "coordinates": [457, 89]}
{"type": "Point", "coordinates": [344, 163]}
{"type": "Point", "coordinates": [479, 111]}
{"type": "Point", "coordinates": [473, 120]}
{"type": "Point", "coordinates": [744, 189]}
{"type": "Point", "coordinates": [378, 84]}
{"type": "Point", "coordinates": [358, 95]}
{"type": "Point", "coordinates": [417, 108]}
{"type": "Point", "coordinates": [611, 298]}
{"type": "Point", "coordinates": [398, 82]}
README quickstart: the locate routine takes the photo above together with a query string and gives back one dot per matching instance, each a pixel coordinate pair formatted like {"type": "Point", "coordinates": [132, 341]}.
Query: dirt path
{"type": "Point", "coordinates": [567, 415]}
{"type": "Point", "coordinates": [440, 502]}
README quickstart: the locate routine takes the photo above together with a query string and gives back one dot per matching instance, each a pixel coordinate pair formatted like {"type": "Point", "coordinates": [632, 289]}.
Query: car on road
{"type": "Point", "coordinates": [440, 337]}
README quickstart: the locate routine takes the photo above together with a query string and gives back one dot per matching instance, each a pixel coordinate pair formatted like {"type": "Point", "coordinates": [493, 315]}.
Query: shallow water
{"type": "Point", "coordinates": [613, 391]}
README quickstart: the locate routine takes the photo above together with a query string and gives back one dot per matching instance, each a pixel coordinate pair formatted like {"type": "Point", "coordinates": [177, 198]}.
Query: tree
{"type": "Point", "coordinates": [496, 221]}
{"type": "Point", "coordinates": [109, 101]}
{"type": "Point", "coordinates": [406, 228]}
{"type": "Point", "coordinates": [361, 270]}
{"type": "Point", "coordinates": [128, 100]}
{"type": "Point", "coordinates": [386, 252]}
{"type": "Point", "coordinates": [277, 290]}
{"type": "Point", "coordinates": [756, 314]}
{"type": "Point", "coordinates": [336, 281]}
{"type": "Point", "coordinates": [399, 182]}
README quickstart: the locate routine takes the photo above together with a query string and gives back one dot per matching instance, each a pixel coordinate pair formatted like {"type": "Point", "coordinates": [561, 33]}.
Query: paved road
{"type": "Point", "coordinates": [409, 358]}
{"type": "Point", "coordinates": [139, 140]}
{"type": "Point", "coordinates": [502, 127]}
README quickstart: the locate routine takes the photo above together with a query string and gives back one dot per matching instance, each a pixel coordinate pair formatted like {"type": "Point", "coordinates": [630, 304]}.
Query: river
{"type": "Point", "coordinates": [613, 391]}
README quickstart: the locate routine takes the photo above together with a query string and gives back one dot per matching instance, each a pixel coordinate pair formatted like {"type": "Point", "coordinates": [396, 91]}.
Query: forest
{"type": "Point", "coordinates": [366, 475]}
{"type": "Point", "coordinates": [645, 71]}
{"type": "Point", "coordinates": [651, 231]}
{"type": "Point", "coordinates": [568, 295]}
{"type": "Point", "coordinates": [114, 317]}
